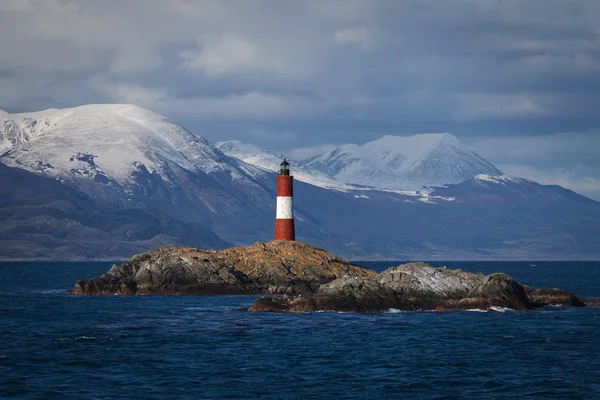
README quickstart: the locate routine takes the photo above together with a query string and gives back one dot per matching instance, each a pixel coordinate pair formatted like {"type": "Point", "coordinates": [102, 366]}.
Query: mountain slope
{"type": "Point", "coordinates": [125, 156]}
{"type": "Point", "coordinates": [185, 180]}
{"type": "Point", "coordinates": [409, 163]}
{"type": "Point", "coordinates": [259, 157]}
{"type": "Point", "coordinates": [44, 218]}
{"type": "Point", "coordinates": [104, 141]}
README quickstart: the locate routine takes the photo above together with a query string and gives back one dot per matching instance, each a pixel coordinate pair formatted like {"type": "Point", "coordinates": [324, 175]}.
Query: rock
{"type": "Point", "coordinates": [273, 267]}
{"type": "Point", "coordinates": [592, 302]}
{"type": "Point", "coordinates": [419, 286]}
{"type": "Point", "coordinates": [552, 297]}
{"type": "Point", "coordinates": [422, 279]}
{"type": "Point", "coordinates": [349, 293]}
{"type": "Point", "coordinates": [500, 290]}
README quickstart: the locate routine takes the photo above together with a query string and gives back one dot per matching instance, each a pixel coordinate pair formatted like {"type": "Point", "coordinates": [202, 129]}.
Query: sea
{"type": "Point", "coordinates": [55, 345]}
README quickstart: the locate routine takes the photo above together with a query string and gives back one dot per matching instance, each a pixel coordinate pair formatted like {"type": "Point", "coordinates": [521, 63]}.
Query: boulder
{"type": "Point", "coordinates": [273, 267]}
{"type": "Point", "coordinates": [420, 278]}
{"type": "Point", "coordinates": [500, 290]}
{"type": "Point", "coordinates": [419, 286]}
{"type": "Point", "coordinates": [552, 297]}
{"type": "Point", "coordinates": [592, 302]}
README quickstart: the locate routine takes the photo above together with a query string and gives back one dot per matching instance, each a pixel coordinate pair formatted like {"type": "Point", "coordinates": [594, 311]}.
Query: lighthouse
{"type": "Point", "coordinates": [284, 224]}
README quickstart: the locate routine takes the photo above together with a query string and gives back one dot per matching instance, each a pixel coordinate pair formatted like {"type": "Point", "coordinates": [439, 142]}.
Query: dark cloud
{"type": "Point", "coordinates": [324, 72]}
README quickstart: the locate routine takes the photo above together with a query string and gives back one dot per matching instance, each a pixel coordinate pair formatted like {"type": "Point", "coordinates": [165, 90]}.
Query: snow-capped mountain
{"type": "Point", "coordinates": [123, 158]}
{"type": "Point", "coordinates": [127, 156]}
{"type": "Point", "coordinates": [105, 142]}
{"type": "Point", "coordinates": [409, 163]}
{"type": "Point", "coordinates": [270, 161]}
{"type": "Point", "coordinates": [252, 154]}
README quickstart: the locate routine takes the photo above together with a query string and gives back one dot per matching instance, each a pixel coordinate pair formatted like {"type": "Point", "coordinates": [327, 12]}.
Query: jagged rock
{"type": "Point", "coordinates": [422, 278]}
{"type": "Point", "coordinates": [501, 290]}
{"type": "Point", "coordinates": [273, 267]}
{"type": "Point", "coordinates": [592, 302]}
{"type": "Point", "coordinates": [419, 286]}
{"type": "Point", "coordinates": [552, 297]}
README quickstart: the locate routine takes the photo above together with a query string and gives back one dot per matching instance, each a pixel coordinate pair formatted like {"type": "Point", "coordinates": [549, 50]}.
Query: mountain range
{"type": "Point", "coordinates": [138, 180]}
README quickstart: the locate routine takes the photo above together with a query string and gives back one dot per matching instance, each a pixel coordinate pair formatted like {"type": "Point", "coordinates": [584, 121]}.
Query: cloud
{"type": "Point", "coordinates": [581, 180]}
{"type": "Point", "coordinates": [359, 36]}
{"type": "Point", "coordinates": [303, 153]}
{"type": "Point", "coordinates": [270, 136]}
{"type": "Point", "coordinates": [129, 93]}
{"type": "Point", "coordinates": [566, 159]}
{"type": "Point", "coordinates": [135, 60]}
{"type": "Point", "coordinates": [244, 106]}
{"type": "Point", "coordinates": [335, 71]}
{"type": "Point", "coordinates": [229, 54]}
{"type": "Point", "coordinates": [548, 150]}
{"type": "Point", "coordinates": [481, 106]}
{"type": "Point", "coordinates": [16, 5]}
{"type": "Point", "coordinates": [252, 105]}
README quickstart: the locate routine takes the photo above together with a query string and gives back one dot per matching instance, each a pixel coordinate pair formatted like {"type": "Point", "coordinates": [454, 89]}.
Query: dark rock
{"type": "Point", "coordinates": [552, 297]}
{"type": "Point", "coordinates": [592, 302]}
{"type": "Point", "coordinates": [422, 279]}
{"type": "Point", "coordinates": [274, 267]}
{"type": "Point", "coordinates": [419, 286]}
{"type": "Point", "coordinates": [500, 290]}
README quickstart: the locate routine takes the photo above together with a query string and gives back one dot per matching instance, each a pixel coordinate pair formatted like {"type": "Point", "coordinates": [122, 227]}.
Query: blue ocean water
{"type": "Point", "coordinates": [55, 346]}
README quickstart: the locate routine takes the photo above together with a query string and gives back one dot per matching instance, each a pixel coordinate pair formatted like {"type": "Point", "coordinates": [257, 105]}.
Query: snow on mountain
{"type": "Point", "coordinates": [501, 179]}
{"type": "Point", "coordinates": [124, 156]}
{"type": "Point", "coordinates": [409, 163]}
{"type": "Point", "coordinates": [104, 142]}
{"type": "Point", "coordinates": [127, 157]}
{"type": "Point", "coordinates": [259, 157]}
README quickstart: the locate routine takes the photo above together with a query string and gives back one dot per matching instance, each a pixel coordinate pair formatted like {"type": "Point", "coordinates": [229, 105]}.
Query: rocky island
{"type": "Point", "coordinates": [311, 279]}
{"type": "Point", "coordinates": [276, 267]}
{"type": "Point", "coordinates": [420, 287]}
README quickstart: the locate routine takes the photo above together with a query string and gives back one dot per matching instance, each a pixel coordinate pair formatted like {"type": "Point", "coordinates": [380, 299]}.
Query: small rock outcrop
{"type": "Point", "coordinates": [275, 267]}
{"type": "Point", "coordinates": [419, 286]}
{"type": "Point", "coordinates": [543, 297]}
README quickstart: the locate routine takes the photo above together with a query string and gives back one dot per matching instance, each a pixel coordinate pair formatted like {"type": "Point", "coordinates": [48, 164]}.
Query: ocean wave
{"type": "Point", "coordinates": [84, 338]}
{"type": "Point", "coordinates": [53, 291]}
{"type": "Point", "coordinates": [501, 309]}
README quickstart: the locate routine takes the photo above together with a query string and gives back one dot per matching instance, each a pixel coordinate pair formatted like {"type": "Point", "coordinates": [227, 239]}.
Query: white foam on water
{"type": "Point", "coordinates": [500, 309]}
{"type": "Point", "coordinates": [395, 311]}
{"type": "Point", "coordinates": [476, 310]}
{"type": "Point", "coordinates": [53, 291]}
{"type": "Point", "coordinates": [81, 338]}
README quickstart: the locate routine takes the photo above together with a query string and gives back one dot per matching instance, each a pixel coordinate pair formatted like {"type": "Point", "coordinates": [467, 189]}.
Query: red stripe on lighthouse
{"type": "Point", "coordinates": [284, 229]}
{"type": "Point", "coordinates": [285, 185]}
{"type": "Point", "coordinates": [284, 224]}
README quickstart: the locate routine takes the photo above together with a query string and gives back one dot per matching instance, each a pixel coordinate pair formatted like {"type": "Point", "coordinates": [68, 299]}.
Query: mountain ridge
{"type": "Point", "coordinates": [403, 162]}
{"type": "Point", "coordinates": [44, 218]}
{"type": "Point", "coordinates": [487, 216]}
{"type": "Point", "coordinates": [270, 161]}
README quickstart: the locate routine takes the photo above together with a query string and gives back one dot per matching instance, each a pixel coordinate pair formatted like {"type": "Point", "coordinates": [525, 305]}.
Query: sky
{"type": "Point", "coordinates": [517, 80]}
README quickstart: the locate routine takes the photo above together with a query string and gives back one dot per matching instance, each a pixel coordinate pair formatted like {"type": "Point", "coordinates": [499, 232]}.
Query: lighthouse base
{"type": "Point", "coordinates": [284, 229]}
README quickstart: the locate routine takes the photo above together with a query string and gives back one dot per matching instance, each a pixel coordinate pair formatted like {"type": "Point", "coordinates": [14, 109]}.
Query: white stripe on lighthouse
{"type": "Point", "coordinates": [285, 207]}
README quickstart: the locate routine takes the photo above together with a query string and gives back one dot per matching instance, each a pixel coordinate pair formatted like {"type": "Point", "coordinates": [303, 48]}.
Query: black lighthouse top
{"type": "Point", "coordinates": [285, 168]}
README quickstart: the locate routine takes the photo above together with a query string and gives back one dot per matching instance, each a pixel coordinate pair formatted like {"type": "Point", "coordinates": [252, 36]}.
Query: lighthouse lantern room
{"type": "Point", "coordinates": [284, 224]}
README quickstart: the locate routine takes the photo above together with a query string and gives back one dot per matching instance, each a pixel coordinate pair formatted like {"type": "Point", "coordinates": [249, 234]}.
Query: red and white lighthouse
{"type": "Point", "coordinates": [284, 224]}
